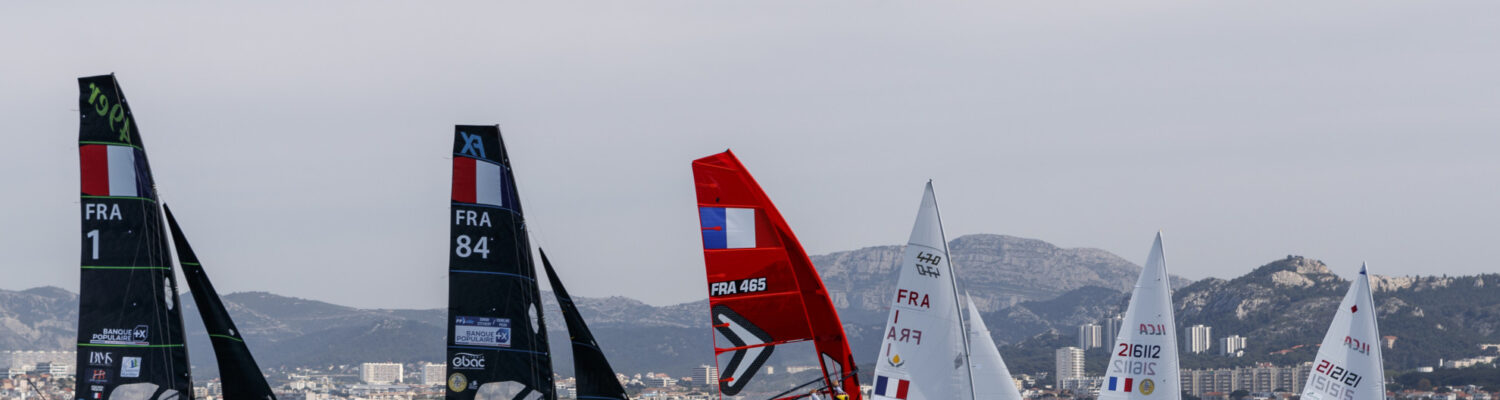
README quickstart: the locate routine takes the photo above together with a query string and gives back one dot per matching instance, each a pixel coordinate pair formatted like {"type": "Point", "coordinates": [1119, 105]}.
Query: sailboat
{"type": "Point", "coordinates": [497, 339]}
{"type": "Point", "coordinates": [595, 378]}
{"type": "Point", "coordinates": [130, 335]}
{"type": "Point", "coordinates": [1143, 361]}
{"type": "Point", "coordinates": [763, 289]}
{"type": "Point", "coordinates": [1349, 365]}
{"type": "Point", "coordinates": [992, 379]}
{"type": "Point", "coordinates": [238, 371]}
{"type": "Point", "coordinates": [926, 353]}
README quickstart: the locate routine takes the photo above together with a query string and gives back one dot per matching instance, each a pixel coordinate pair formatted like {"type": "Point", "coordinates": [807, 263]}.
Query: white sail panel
{"type": "Point", "coordinates": [991, 378]}
{"type": "Point", "coordinates": [1349, 366]}
{"type": "Point", "coordinates": [1143, 361]}
{"type": "Point", "coordinates": [923, 355]}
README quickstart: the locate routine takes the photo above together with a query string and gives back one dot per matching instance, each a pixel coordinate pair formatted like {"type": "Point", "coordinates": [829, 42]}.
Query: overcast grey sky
{"type": "Point", "coordinates": [305, 146]}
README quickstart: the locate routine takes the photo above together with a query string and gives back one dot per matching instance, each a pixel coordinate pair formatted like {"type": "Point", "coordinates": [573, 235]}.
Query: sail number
{"type": "Point", "coordinates": [94, 235]}
{"type": "Point", "coordinates": [751, 285]}
{"type": "Point", "coordinates": [1133, 367]}
{"type": "Point", "coordinates": [1339, 374]}
{"type": "Point", "coordinates": [466, 246]}
{"type": "Point", "coordinates": [927, 265]}
{"type": "Point", "coordinates": [1139, 350]}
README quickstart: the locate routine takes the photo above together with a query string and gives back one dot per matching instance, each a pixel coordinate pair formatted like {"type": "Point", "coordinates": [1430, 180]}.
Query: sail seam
{"type": "Point", "coordinates": [493, 273]}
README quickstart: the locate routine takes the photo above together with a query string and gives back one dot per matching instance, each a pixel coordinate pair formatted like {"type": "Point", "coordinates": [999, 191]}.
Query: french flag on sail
{"type": "Point", "coordinates": [727, 228]}
{"type": "Point", "coordinates": [1116, 385]}
{"type": "Point", "coordinates": [891, 387]}
{"type": "Point", "coordinates": [116, 171]}
{"type": "Point", "coordinates": [480, 182]}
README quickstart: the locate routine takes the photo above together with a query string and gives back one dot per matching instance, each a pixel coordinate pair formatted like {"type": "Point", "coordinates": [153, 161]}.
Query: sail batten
{"type": "Point", "coordinates": [131, 341]}
{"type": "Point", "coordinates": [241, 376]}
{"type": "Point", "coordinates": [763, 289]}
{"type": "Point", "coordinates": [497, 338]}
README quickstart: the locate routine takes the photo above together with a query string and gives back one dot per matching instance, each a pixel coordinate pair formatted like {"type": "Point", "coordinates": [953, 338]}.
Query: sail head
{"type": "Point", "coordinates": [1349, 365]}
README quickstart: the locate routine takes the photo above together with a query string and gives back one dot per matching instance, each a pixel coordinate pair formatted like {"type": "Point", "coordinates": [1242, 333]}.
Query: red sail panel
{"type": "Point", "coordinates": [763, 289]}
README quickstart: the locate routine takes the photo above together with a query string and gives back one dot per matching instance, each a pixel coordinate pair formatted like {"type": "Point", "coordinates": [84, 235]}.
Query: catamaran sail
{"type": "Point", "coordinates": [763, 290]}
{"type": "Point", "coordinates": [240, 374]}
{"type": "Point", "coordinates": [1143, 364]}
{"type": "Point", "coordinates": [1349, 366]}
{"type": "Point", "coordinates": [130, 338]}
{"type": "Point", "coordinates": [596, 380]}
{"type": "Point", "coordinates": [497, 340]}
{"type": "Point", "coordinates": [925, 353]}
{"type": "Point", "coordinates": [991, 378]}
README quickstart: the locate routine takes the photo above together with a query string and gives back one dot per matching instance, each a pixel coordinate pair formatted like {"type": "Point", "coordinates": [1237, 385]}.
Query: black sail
{"type": "Point", "coordinates": [130, 337]}
{"type": "Point", "coordinates": [497, 341]}
{"type": "Point", "coordinates": [596, 380]}
{"type": "Point", "coordinates": [237, 368]}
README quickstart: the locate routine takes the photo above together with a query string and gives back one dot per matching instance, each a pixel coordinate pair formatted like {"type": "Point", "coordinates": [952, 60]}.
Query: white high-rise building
{"type": "Point", "coordinates": [380, 373]}
{"type": "Point", "coordinates": [1112, 330]}
{"type": "Point", "coordinates": [1090, 336]}
{"type": "Point", "coordinates": [434, 374]}
{"type": "Point", "coordinates": [1232, 345]}
{"type": "Point", "coordinates": [1199, 338]}
{"type": "Point", "coordinates": [1069, 363]}
{"type": "Point", "coordinates": [708, 373]}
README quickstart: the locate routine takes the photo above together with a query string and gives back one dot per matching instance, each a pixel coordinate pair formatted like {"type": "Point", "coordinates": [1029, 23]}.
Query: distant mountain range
{"type": "Point", "coordinates": [1032, 294]}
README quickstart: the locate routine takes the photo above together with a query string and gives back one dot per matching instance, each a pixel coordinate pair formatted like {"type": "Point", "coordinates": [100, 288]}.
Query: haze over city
{"type": "Point", "coordinates": [305, 146]}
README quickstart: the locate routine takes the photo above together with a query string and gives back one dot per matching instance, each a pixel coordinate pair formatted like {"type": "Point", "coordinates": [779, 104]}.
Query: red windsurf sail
{"type": "Point", "coordinates": [763, 290]}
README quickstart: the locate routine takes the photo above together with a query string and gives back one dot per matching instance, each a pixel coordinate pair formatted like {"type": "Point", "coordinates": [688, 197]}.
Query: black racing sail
{"type": "Point", "coordinates": [237, 368]}
{"type": "Point", "coordinates": [596, 380]}
{"type": "Point", "coordinates": [497, 341]}
{"type": "Point", "coordinates": [130, 338]}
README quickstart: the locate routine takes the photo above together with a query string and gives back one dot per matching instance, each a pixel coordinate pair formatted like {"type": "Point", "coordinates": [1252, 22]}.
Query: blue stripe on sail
{"type": "Point", "coordinates": [1112, 383]}
{"type": "Point", "coordinates": [880, 382]}
{"type": "Point", "coordinates": [470, 271]}
{"type": "Point", "coordinates": [497, 349]}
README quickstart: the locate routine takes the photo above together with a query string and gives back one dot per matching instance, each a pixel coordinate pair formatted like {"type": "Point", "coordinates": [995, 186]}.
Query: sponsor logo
{"type": "Point", "coordinates": [134, 336]}
{"type": "Point", "coordinates": [101, 358]}
{"type": "Point", "coordinates": [467, 361]}
{"type": "Point", "coordinates": [99, 376]}
{"type": "Point", "coordinates": [458, 382]}
{"type": "Point", "coordinates": [1148, 386]}
{"type": "Point", "coordinates": [1153, 329]}
{"type": "Point", "coordinates": [97, 388]}
{"type": "Point", "coordinates": [130, 367]}
{"type": "Point", "coordinates": [751, 285]}
{"type": "Point", "coordinates": [473, 145]}
{"type": "Point", "coordinates": [896, 361]}
{"type": "Point", "coordinates": [481, 331]}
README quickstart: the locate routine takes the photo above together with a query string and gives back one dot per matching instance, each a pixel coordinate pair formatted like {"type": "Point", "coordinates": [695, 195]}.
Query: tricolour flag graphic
{"type": "Point", "coordinates": [1115, 384]}
{"type": "Point", "coordinates": [112, 171]}
{"type": "Point", "coordinates": [891, 387]}
{"type": "Point", "coordinates": [479, 182]}
{"type": "Point", "coordinates": [727, 228]}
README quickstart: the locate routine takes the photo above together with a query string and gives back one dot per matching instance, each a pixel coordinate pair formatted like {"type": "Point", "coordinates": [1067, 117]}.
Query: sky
{"type": "Point", "coordinates": [305, 146]}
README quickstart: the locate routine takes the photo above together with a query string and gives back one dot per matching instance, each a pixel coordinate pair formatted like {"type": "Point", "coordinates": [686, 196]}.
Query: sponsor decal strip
{"type": "Point", "coordinates": [128, 345]}
{"type": "Point", "coordinates": [497, 349]}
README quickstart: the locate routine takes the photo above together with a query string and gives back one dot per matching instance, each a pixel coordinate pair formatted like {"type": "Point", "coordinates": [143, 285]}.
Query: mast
{"type": "Point", "coordinates": [130, 336]}
{"type": "Point", "coordinates": [1349, 362]}
{"type": "Point", "coordinates": [763, 290]}
{"type": "Point", "coordinates": [497, 339]}
{"type": "Point", "coordinates": [924, 354]}
{"type": "Point", "coordinates": [1143, 364]}
{"type": "Point", "coordinates": [596, 379]}
{"type": "Point", "coordinates": [242, 377]}
{"type": "Point", "coordinates": [953, 280]}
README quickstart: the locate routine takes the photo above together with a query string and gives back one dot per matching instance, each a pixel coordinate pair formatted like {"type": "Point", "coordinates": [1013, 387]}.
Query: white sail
{"type": "Point", "coordinates": [992, 379]}
{"type": "Point", "coordinates": [1349, 366]}
{"type": "Point", "coordinates": [924, 353]}
{"type": "Point", "coordinates": [1143, 360]}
